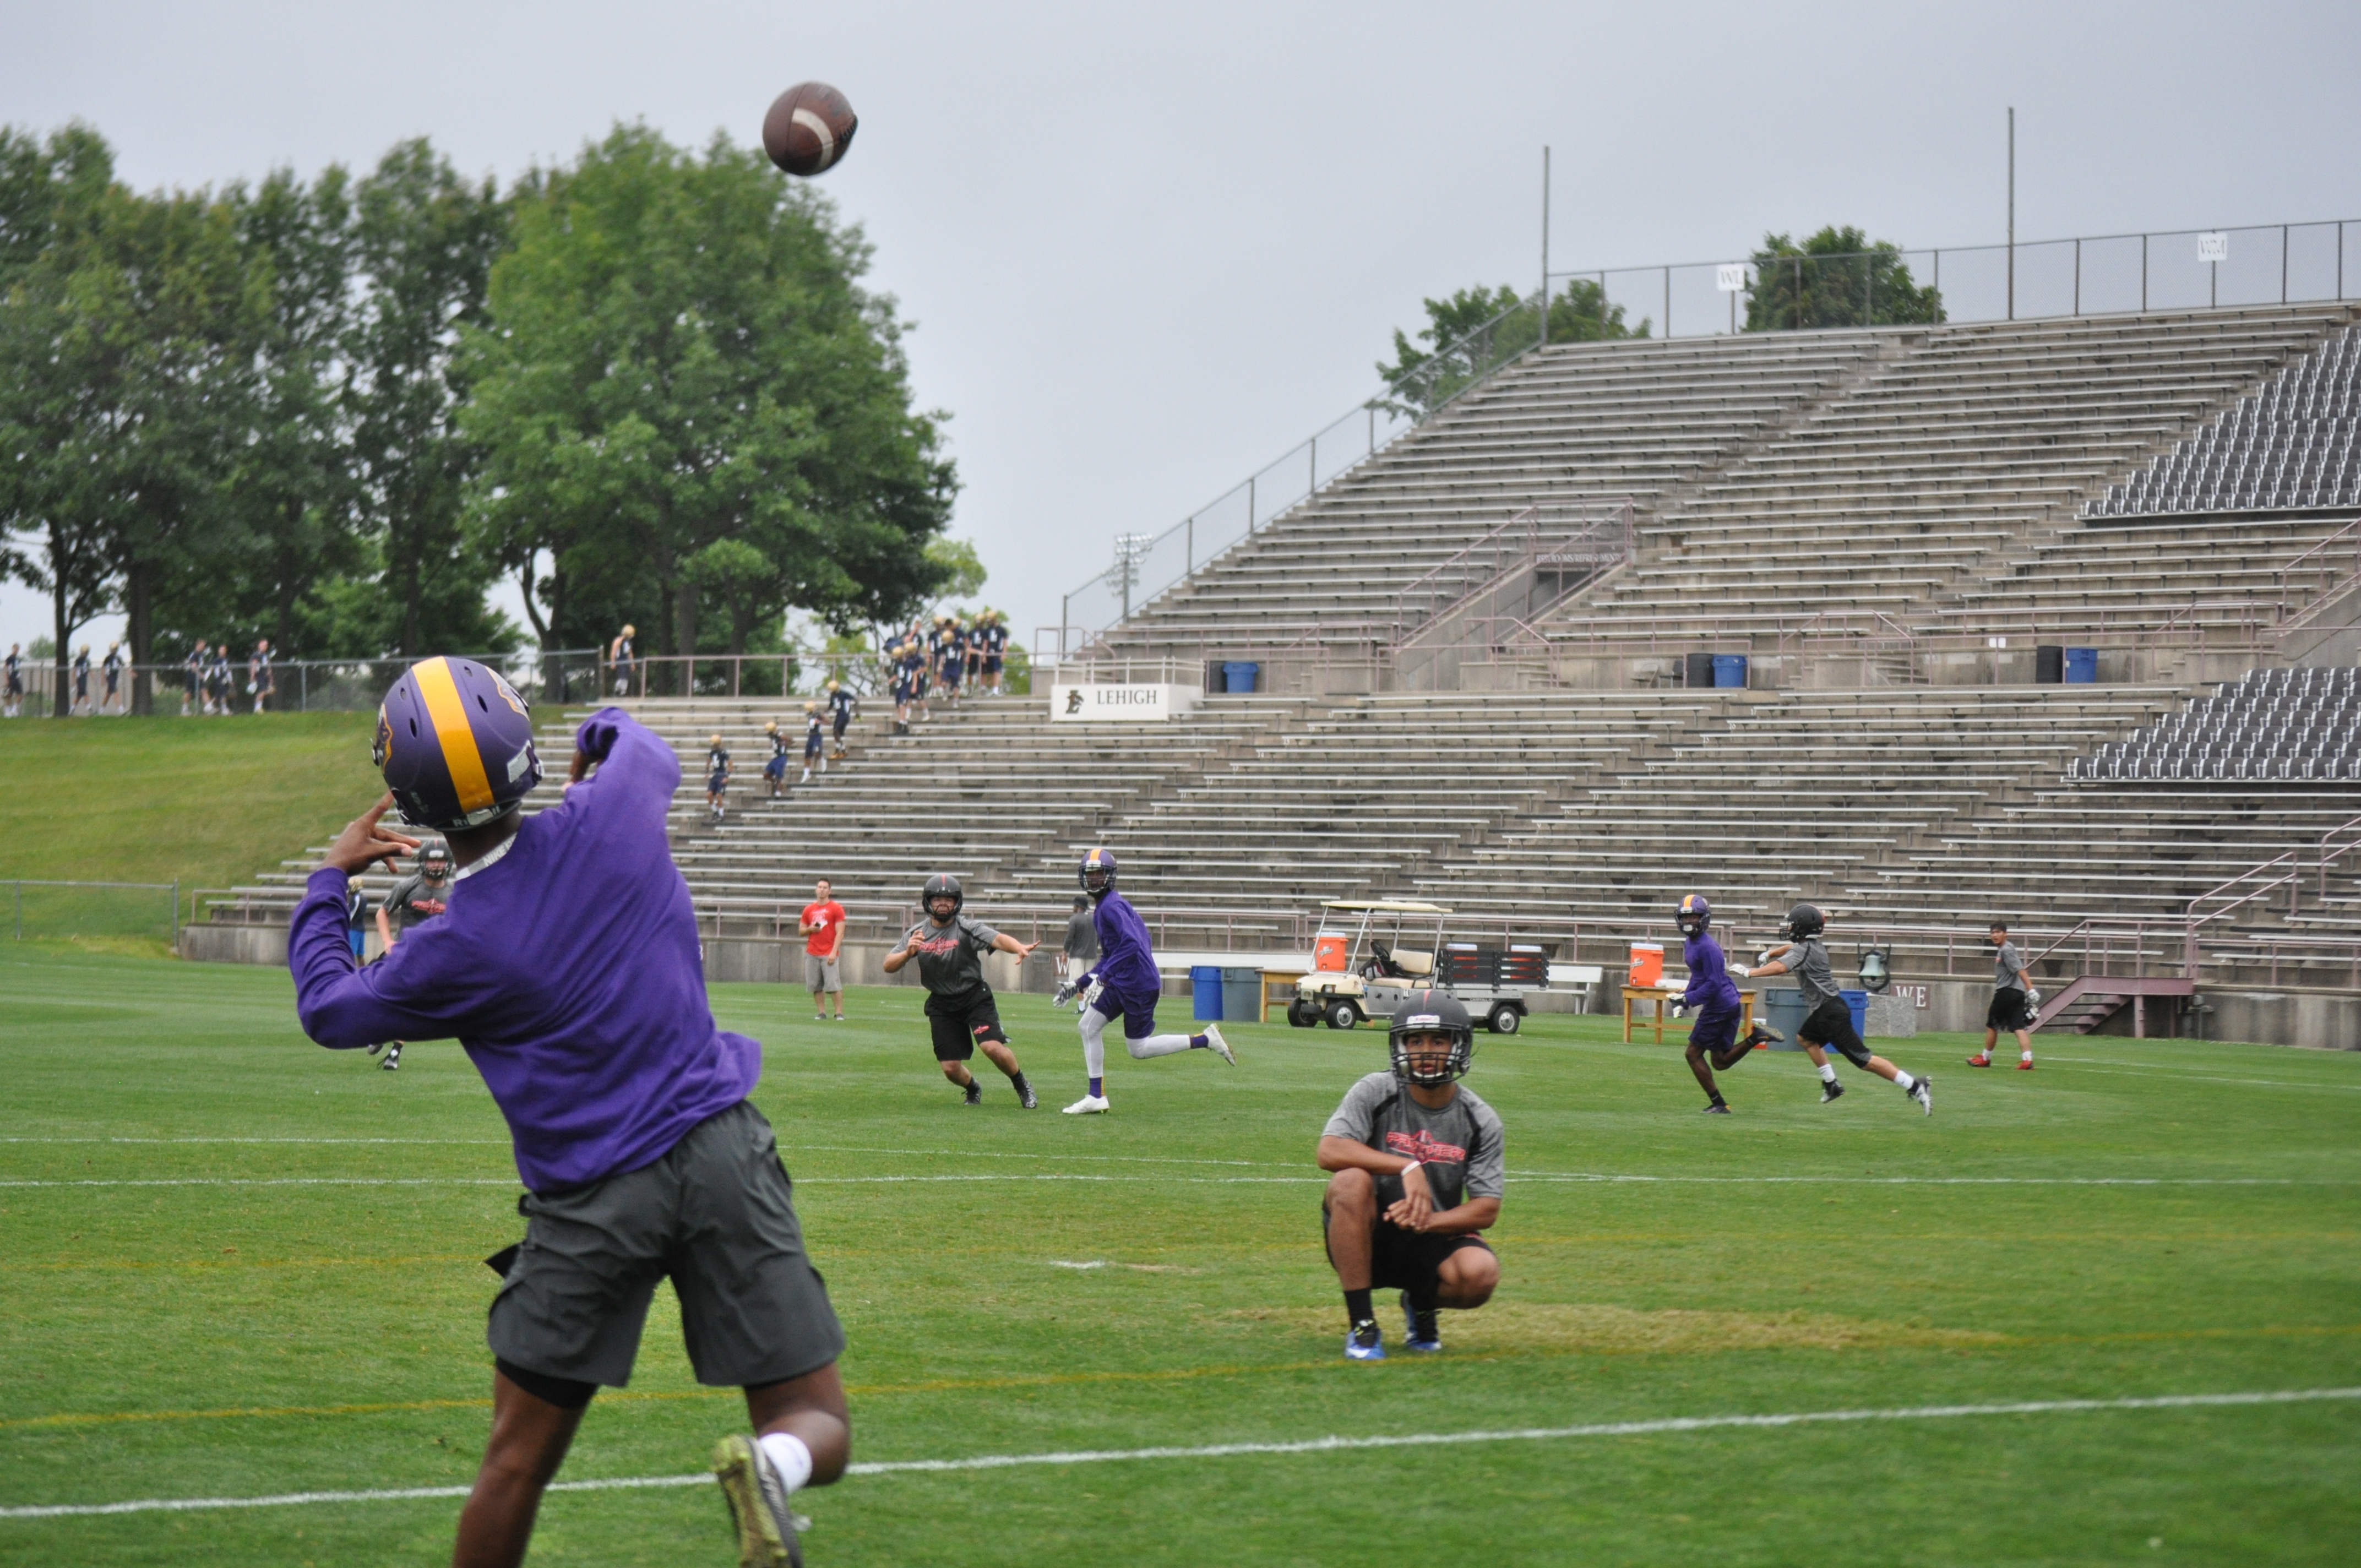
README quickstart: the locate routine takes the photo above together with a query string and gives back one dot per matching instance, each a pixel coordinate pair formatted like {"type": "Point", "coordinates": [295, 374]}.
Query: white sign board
{"type": "Point", "coordinates": [2214, 246]}
{"type": "Point", "coordinates": [1076, 701]}
{"type": "Point", "coordinates": [1730, 277]}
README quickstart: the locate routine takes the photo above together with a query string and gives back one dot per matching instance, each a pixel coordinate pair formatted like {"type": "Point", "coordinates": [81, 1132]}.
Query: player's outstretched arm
{"type": "Point", "coordinates": [1002, 942]}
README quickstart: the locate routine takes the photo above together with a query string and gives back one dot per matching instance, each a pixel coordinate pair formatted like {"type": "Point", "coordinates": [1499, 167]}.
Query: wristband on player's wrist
{"type": "Point", "coordinates": [1405, 1170]}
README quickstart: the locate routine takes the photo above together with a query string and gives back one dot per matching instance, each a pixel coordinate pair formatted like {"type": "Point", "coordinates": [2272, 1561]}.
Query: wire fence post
{"type": "Point", "coordinates": [176, 914]}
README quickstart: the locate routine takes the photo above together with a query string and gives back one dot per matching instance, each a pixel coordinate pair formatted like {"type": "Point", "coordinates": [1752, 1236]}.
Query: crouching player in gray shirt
{"type": "Point", "coordinates": [1418, 1162]}
{"type": "Point", "coordinates": [1827, 1020]}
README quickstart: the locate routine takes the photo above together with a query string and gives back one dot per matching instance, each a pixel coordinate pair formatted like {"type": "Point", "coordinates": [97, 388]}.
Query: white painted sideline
{"type": "Point", "coordinates": [1231, 1450]}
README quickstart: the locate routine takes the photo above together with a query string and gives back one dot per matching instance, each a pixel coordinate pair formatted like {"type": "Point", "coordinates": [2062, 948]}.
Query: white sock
{"type": "Point", "coordinates": [1094, 1028]}
{"type": "Point", "coordinates": [1156, 1045]}
{"type": "Point", "coordinates": [1904, 1081]}
{"type": "Point", "coordinates": [1828, 1072]}
{"type": "Point", "coordinates": [788, 1456]}
{"type": "Point", "coordinates": [2028, 1053]}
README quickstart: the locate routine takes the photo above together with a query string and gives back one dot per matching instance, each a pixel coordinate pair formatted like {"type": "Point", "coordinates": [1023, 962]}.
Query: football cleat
{"type": "Point", "coordinates": [1982, 1058]}
{"type": "Point", "coordinates": [1026, 1097]}
{"type": "Point", "coordinates": [2025, 1065]}
{"type": "Point", "coordinates": [1218, 1046]}
{"type": "Point", "coordinates": [1760, 1035]}
{"type": "Point", "coordinates": [1364, 1342]}
{"type": "Point", "coordinates": [1088, 1105]}
{"type": "Point", "coordinates": [1425, 1342]}
{"type": "Point", "coordinates": [975, 1092]}
{"type": "Point", "coordinates": [392, 1058]}
{"type": "Point", "coordinates": [758, 1504]}
{"type": "Point", "coordinates": [1716, 1109]}
{"type": "Point", "coordinates": [1923, 1091]}
{"type": "Point", "coordinates": [1830, 1090]}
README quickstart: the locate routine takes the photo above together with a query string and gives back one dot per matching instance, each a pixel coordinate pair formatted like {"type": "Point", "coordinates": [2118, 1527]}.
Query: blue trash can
{"type": "Point", "coordinates": [1729, 669]}
{"type": "Point", "coordinates": [1241, 995]}
{"type": "Point", "coordinates": [1857, 1002]}
{"type": "Point", "coordinates": [2081, 666]}
{"type": "Point", "coordinates": [1205, 990]}
{"type": "Point", "coordinates": [1238, 676]}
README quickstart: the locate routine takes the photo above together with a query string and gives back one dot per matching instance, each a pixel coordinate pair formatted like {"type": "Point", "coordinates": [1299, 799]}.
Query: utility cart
{"type": "Point", "coordinates": [1395, 945]}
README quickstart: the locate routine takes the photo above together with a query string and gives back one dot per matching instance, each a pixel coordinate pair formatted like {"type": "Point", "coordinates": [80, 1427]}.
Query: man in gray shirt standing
{"type": "Point", "coordinates": [1829, 1022]}
{"type": "Point", "coordinates": [1418, 1165]}
{"type": "Point", "coordinates": [2013, 998]}
{"type": "Point", "coordinates": [1082, 944]}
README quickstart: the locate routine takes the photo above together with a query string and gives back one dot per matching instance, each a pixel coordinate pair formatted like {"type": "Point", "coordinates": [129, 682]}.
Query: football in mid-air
{"type": "Point", "coordinates": [808, 128]}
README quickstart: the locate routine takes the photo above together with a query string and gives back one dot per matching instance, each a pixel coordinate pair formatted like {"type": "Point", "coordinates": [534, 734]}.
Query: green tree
{"type": "Point", "coordinates": [1836, 278]}
{"type": "Point", "coordinates": [688, 407]}
{"type": "Point", "coordinates": [1473, 332]}
{"type": "Point", "coordinates": [52, 194]}
{"type": "Point", "coordinates": [424, 241]}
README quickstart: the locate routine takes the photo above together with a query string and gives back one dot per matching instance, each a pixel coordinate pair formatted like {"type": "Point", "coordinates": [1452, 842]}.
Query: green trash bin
{"type": "Point", "coordinates": [1782, 1007]}
{"type": "Point", "coordinates": [1241, 995]}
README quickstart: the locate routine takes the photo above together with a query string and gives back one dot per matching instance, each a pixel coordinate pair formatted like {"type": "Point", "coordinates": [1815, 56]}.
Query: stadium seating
{"type": "Point", "coordinates": [1634, 419]}
{"type": "Point", "coordinates": [2288, 444]}
{"type": "Point", "coordinates": [2282, 724]}
{"type": "Point", "coordinates": [1786, 481]}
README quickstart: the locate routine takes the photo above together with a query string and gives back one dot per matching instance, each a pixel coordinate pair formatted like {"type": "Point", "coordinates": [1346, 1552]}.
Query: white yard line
{"type": "Point", "coordinates": [1537, 1177]}
{"type": "Point", "coordinates": [1337, 1444]}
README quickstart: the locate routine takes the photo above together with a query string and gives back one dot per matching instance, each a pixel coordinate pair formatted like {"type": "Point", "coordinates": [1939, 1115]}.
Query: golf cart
{"type": "Point", "coordinates": [1396, 946]}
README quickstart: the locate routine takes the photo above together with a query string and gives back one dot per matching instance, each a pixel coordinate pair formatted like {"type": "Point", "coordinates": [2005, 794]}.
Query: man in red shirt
{"type": "Point", "coordinates": [822, 928]}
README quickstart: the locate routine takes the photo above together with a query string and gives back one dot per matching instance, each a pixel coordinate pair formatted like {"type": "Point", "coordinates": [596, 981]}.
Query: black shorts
{"type": "Point", "coordinates": [992, 663]}
{"type": "Point", "coordinates": [958, 1024]}
{"type": "Point", "coordinates": [2007, 1011]}
{"type": "Point", "coordinates": [717, 1215]}
{"type": "Point", "coordinates": [1401, 1259]}
{"type": "Point", "coordinates": [1830, 1025]}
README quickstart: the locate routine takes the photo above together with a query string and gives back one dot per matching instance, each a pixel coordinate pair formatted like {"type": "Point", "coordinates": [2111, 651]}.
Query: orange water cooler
{"type": "Point", "coordinates": [1329, 949]}
{"type": "Point", "coordinates": [1647, 964]}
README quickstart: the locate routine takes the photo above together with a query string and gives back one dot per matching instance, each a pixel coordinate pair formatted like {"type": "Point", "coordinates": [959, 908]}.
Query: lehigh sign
{"type": "Point", "coordinates": [1075, 703]}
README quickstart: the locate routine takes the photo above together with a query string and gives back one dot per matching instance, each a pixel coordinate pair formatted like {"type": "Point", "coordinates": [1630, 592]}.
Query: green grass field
{"type": "Point", "coordinates": [208, 802]}
{"type": "Point", "coordinates": [237, 1265]}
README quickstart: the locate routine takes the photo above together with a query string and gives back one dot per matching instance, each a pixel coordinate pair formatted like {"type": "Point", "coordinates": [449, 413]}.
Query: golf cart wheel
{"type": "Point", "coordinates": [1342, 1015]}
{"type": "Point", "coordinates": [1302, 1014]}
{"type": "Point", "coordinates": [1504, 1019]}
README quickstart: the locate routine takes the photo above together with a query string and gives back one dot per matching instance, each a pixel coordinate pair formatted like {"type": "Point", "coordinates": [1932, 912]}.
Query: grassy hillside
{"type": "Point", "coordinates": [150, 799]}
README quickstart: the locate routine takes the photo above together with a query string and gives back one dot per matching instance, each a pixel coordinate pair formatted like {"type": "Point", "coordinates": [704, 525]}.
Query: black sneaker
{"type": "Point", "coordinates": [1025, 1095]}
{"type": "Point", "coordinates": [975, 1092]}
{"type": "Point", "coordinates": [1832, 1090]}
{"type": "Point", "coordinates": [1716, 1109]}
{"type": "Point", "coordinates": [1923, 1091]}
{"type": "Point", "coordinates": [392, 1061]}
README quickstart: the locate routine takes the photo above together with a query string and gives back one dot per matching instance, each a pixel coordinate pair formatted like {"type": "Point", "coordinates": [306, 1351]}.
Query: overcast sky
{"type": "Point", "coordinates": [1148, 248]}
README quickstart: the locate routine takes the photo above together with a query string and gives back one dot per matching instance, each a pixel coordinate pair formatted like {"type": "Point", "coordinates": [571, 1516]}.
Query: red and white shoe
{"type": "Point", "coordinates": [2025, 1065]}
{"type": "Point", "coordinates": [1982, 1058]}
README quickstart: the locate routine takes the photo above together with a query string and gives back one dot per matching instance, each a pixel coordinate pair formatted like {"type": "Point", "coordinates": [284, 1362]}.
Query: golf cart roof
{"type": "Point", "coordinates": [1384, 905]}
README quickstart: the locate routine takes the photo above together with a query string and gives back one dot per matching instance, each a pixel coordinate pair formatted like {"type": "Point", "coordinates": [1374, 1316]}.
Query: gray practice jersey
{"type": "Point", "coordinates": [1807, 961]}
{"type": "Point", "coordinates": [1081, 936]}
{"type": "Point", "coordinates": [2008, 968]}
{"type": "Point", "coordinates": [950, 957]}
{"type": "Point", "coordinates": [1461, 1144]}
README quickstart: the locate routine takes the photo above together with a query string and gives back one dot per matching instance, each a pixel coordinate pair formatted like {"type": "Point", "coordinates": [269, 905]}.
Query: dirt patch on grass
{"type": "Point", "coordinates": [1594, 1329]}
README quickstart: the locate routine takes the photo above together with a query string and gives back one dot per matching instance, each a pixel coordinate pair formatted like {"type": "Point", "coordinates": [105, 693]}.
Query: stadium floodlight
{"type": "Point", "coordinates": [1130, 549]}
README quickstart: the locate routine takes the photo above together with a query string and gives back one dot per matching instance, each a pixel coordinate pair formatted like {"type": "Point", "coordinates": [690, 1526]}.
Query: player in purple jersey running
{"type": "Point", "coordinates": [566, 964]}
{"type": "Point", "coordinates": [1713, 1039]}
{"type": "Point", "coordinates": [1122, 984]}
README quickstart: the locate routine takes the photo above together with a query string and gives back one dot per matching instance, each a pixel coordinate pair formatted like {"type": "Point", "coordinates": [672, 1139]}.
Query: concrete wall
{"type": "Point", "coordinates": [237, 943]}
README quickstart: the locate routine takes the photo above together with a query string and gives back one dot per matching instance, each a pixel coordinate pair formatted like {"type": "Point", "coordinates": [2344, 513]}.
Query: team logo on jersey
{"type": "Point", "coordinates": [1424, 1146]}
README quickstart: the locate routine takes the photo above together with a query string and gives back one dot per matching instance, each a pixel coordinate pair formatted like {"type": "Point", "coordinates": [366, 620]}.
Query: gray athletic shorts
{"type": "Point", "coordinates": [819, 973]}
{"type": "Point", "coordinates": [716, 1215]}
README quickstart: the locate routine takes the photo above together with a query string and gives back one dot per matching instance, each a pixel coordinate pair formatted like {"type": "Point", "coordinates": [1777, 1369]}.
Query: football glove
{"type": "Point", "coordinates": [1064, 993]}
{"type": "Point", "coordinates": [1680, 1009]}
{"type": "Point", "coordinates": [2032, 996]}
{"type": "Point", "coordinates": [1737, 970]}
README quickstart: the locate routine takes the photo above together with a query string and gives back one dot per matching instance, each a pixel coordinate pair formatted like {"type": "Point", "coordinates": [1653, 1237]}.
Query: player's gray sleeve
{"type": "Point", "coordinates": [1487, 1163]}
{"type": "Point", "coordinates": [981, 935]}
{"type": "Point", "coordinates": [1356, 1114]}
